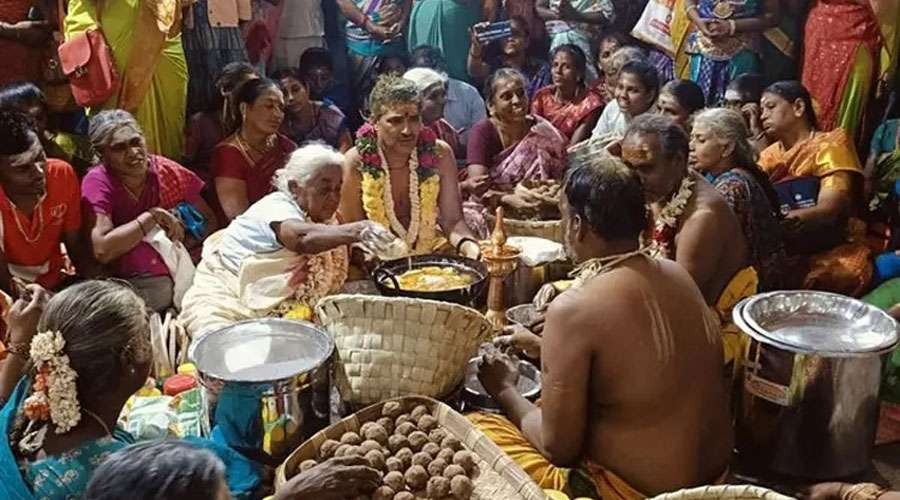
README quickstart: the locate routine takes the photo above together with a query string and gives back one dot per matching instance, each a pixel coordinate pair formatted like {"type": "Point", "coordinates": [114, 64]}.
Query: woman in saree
{"type": "Point", "coordinates": [306, 120]}
{"type": "Point", "coordinates": [721, 150]}
{"type": "Point", "coordinates": [244, 163]}
{"type": "Point", "coordinates": [146, 45]}
{"type": "Point", "coordinates": [402, 177]}
{"type": "Point", "coordinates": [73, 361]}
{"type": "Point", "coordinates": [509, 147]}
{"type": "Point", "coordinates": [433, 97]}
{"type": "Point", "coordinates": [510, 52]}
{"type": "Point", "coordinates": [857, 40]}
{"type": "Point", "coordinates": [207, 129]}
{"type": "Point", "coordinates": [569, 104]}
{"type": "Point", "coordinates": [819, 181]}
{"type": "Point", "coordinates": [283, 254]}
{"type": "Point", "coordinates": [445, 24]}
{"type": "Point", "coordinates": [127, 197]}
{"type": "Point", "coordinates": [722, 47]}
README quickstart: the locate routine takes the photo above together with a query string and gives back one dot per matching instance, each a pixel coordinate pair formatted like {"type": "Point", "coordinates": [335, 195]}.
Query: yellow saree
{"type": "Point", "coordinates": [146, 44]}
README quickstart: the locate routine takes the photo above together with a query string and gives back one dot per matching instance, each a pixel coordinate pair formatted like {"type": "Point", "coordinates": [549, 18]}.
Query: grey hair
{"type": "Point", "coordinates": [425, 78]}
{"type": "Point", "coordinates": [304, 163]}
{"type": "Point", "coordinates": [105, 123]}
{"type": "Point", "coordinates": [728, 125]}
{"type": "Point", "coordinates": [625, 55]}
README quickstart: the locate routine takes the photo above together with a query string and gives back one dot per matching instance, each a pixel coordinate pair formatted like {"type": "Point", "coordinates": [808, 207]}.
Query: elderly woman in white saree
{"type": "Point", "coordinates": [283, 254]}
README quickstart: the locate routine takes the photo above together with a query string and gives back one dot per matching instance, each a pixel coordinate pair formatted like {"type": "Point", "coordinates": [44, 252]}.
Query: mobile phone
{"type": "Point", "coordinates": [493, 32]}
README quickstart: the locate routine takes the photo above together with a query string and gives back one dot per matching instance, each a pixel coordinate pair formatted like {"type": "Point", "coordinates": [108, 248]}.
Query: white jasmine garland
{"type": "Point", "coordinates": [61, 394]}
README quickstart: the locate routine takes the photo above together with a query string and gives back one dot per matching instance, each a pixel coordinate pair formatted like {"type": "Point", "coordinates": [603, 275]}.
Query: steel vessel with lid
{"type": "Point", "coordinates": [810, 379]}
{"type": "Point", "coordinates": [265, 384]}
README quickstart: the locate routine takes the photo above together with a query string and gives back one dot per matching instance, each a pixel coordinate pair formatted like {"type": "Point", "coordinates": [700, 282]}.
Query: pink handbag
{"type": "Point", "coordinates": [88, 63]}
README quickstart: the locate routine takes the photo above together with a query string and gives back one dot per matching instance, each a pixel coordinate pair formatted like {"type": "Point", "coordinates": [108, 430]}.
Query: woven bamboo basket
{"type": "Point", "coordinates": [499, 478]}
{"type": "Point", "coordinates": [547, 229]}
{"type": "Point", "coordinates": [398, 346]}
{"type": "Point", "coordinates": [725, 492]}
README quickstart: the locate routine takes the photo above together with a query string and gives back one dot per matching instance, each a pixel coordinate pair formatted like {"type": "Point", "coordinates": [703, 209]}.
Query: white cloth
{"type": "Point", "coordinates": [251, 234]}
{"type": "Point", "coordinates": [612, 122]}
{"type": "Point", "coordinates": [177, 260]}
{"type": "Point", "coordinates": [464, 108]}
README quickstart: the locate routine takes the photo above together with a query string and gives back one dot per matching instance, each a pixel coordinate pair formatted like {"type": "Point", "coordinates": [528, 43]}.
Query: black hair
{"type": "Point", "coordinates": [248, 93]}
{"type": "Point", "coordinates": [688, 94]}
{"type": "Point", "coordinates": [16, 95]}
{"type": "Point", "coordinates": [18, 132]}
{"type": "Point", "coordinates": [616, 36]}
{"type": "Point", "coordinates": [673, 140]}
{"type": "Point", "coordinates": [427, 56]}
{"type": "Point", "coordinates": [230, 77]}
{"type": "Point", "coordinates": [158, 470]}
{"type": "Point", "coordinates": [749, 85]}
{"type": "Point", "coordinates": [315, 57]}
{"type": "Point", "coordinates": [402, 56]}
{"type": "Point", "coordinates": [502, 74]}
{"type": "Point", "coordinates": [578, 56]}
{"type": "Point", "coordinates": [294, 73]}
{"type": "Point", "coordinates": [645, 73]}
{"type": "Point", "coordinates": [608, 196]}
{"type": "Point", "coordinates": [790, 91]}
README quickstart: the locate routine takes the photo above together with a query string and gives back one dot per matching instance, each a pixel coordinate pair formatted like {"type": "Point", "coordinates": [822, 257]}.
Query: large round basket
{"type": "Point", "coordinates": [499, 477]}
{"type": "Point", "coordinates": [396, 346]}
{"type": "Point", "coordinates": [547, 229]}
{"type": "Point", "coordinates": [725, 492]}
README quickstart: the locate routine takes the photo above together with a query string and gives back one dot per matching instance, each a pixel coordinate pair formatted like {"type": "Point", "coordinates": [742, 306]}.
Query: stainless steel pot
{"type": "Point", "coordinates": [265, 384]}
{"type": "Point", "coordinates": [475, 397]}
{"type": "Point", "coordinates": [808, 404]}
{"type": "Point", "coordinates": [521, 286]}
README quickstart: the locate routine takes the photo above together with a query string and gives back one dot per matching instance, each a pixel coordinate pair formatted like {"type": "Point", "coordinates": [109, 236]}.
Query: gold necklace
{"type": "Point", "coordinates": [40, 229]}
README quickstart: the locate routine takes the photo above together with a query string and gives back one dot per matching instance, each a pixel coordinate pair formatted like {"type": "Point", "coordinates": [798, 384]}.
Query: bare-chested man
{"type": "Point", "coordinates": [633, 400]}
{"type": "Point", "coordinates": [693, 224]}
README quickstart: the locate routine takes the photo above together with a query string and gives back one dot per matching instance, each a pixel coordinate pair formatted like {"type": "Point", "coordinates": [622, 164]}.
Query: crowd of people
{"type": "Point", "coordinates": [256, 155]}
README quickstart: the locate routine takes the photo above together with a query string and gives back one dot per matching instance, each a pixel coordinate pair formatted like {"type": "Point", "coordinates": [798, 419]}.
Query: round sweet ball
{"type": "Point", "coordinates": [387, 423]}
{"type": "Point", "coordinates": [416, 477]}
{"type": "Point", "coordinates": [328, 448]}
{"type": "Point", "coordinates": [452, 443]}
{"type": "Point", "coordinates": [461, 487]}
{"type": "Point", "coordinates": [307, 464]}
{"type": "Point", "coordinates": [432, 449]}
{"type": "Point", "coordinates": [364, 427]}
{"type": "Point", "coordinates": [427, 423]}
{"type": "Point", "coordinates": [417, 440]}
{"type": "Point", "coordinates": [393, 464]}
{"type": "Point", "coordinates": [378, 434]}
{"type": "Point", "coordinates": [351, 438]}
{"type": "Point", "coordinates": [392, 409]}
{"type": "Point", "coordinates": [344, 450]}
{"type": "Point", "coordinates": [397, 441]}
{"type": "Point", "coordinates": [405, 455]}
{"type": "Point", "coordinates": [437, 435]}
{"type": "Point", "coordinates": [438, 487]}
{"type": "Point", "coordinates": [421, 458]}
{"type": "Point", "coordinates": [418, 411]}
{"type": "Point", "coordinates": [446, 454]}
{"type": "Point", "coordinates": [402, 419]}
{"type": "Point", "coordinates": [454, 470]}
{"type": "Point", "coordinates": [466, 460]}
{"type": "Point", "coordinates": [405, 429]}
{"type": "Point", "coordinates": [375, 459]}
{"type": "Point", "coordinates": [404, 495]}
{"type": "Point", "coordinates": [370, 445]}
{"type": "Point", "coordinates": [383, 493]}
{"type": "Point", "coordinates": [436, 467]}
{"type": "Point", "coordinates": [394, 480]}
